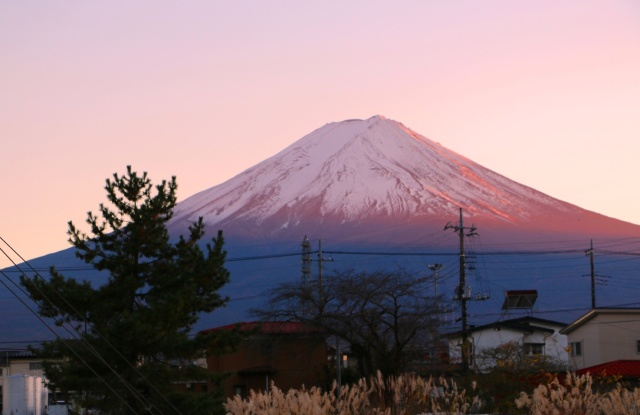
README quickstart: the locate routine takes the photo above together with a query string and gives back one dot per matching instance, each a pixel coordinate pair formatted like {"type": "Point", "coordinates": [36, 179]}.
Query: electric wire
{"type": "Point", "coordinates": [503, 255]}
{"type": "Point", "coordinates": [77, 336]}
{"type": "Point", "coordinates": [384, 253]}
{"type": "Point", "coordinates": [87, 345]}
{"type": "Point", "coordinates": [64, 341]}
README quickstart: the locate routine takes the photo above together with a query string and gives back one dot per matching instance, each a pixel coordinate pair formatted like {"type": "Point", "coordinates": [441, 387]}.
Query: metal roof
{"type": "Point", "coordinates": [270, 327]}
{"type": "Point", "coordinates": [523, 324]}
{"type": "Point", "coordinates": [595, 312]}
{"type": "Point", "coordinates": [624, 368]}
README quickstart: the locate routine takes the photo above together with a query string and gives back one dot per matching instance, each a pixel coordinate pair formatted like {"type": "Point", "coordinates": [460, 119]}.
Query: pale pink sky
{"type": "Point", "coordinates": [544, 92]}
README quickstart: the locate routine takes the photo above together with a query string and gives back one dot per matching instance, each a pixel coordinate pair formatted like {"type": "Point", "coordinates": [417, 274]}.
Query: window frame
{"type": "Point", "coordinates": [576, 349]}
{"type": "Point", "coordinates": [531, 348]}
{"type": "Point", "coordinates": [35, 366]}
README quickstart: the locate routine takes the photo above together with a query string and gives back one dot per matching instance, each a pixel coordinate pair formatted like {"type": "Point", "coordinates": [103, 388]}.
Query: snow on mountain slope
{"type": "Point", "coordinates": [371, 171]}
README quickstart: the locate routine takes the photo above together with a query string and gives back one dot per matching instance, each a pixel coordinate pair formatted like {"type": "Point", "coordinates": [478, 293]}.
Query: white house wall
{"type": "Point", "coordinates": [619, 336]}
{"type": "Point", "coordinates": [481, 340]}
{"type": "Point", "coordinates": [605, 338]}
{"type": "Point", "coordinates": [489, 339]}
{"type": "Point", "coordinates": [555, 345]}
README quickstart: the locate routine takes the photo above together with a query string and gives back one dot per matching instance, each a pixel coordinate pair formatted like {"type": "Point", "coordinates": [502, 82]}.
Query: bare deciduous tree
{"type": "Point", "coordinates": [386, 317]}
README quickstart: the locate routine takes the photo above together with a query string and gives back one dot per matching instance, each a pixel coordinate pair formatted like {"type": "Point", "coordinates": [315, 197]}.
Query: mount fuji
{"type": "Point", "coordinates": [378, 195]}
{"type": "Point", "coordinates": [361, 180]}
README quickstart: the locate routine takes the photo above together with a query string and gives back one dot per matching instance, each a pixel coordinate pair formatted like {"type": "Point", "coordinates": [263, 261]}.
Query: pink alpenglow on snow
{"type": "Point", "coordinates": [355, 179]}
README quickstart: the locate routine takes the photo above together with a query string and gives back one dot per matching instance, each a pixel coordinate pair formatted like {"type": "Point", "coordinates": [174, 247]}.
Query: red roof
{"type": "Point", "coordinates": [271, 327]}
{"type": "Point", "coordinates": [624, 368]}
{"type": "Point", "coordinates": [257, 370]}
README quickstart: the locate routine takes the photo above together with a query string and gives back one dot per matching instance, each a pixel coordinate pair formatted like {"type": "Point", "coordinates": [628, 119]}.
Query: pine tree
{"type": "Point", "coordinates": [130, 338]}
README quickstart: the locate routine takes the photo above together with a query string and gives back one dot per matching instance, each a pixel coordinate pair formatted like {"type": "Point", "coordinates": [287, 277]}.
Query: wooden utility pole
{"type": "Point", "coordinates": [306, 260]}
{"type": "Point", "coordinates": [589, 252]}
{"type": "Point", "coordinates": [435, 268]}
{"type": "Point", "coordinates": [462, 288]}
{"type": "Point", "coordinates": [461, 291]}
{"type": "Point", "coordinates": [320, 259]}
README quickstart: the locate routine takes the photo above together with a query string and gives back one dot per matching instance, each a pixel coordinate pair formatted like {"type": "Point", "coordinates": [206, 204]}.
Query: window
{"type": "Point", "coordinates": [576, 348]}
{"type": "Point", "coordinates": [534, 348]}
{"type": "Point", "coordinates": [35, 365]}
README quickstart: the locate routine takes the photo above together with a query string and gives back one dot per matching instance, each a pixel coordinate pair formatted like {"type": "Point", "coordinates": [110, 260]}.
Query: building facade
{"type": "Point", "coordinates": [536, 337]}
{"type": "Point", "coordinates": [287, 354]}
{"type": "Point", "coordinates": [604, 335]}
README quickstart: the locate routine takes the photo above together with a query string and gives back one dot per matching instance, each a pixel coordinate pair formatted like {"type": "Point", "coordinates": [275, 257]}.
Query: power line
{"type": "Point", "coordinates": [64, 341]}
{"type": "Point", "coordinates": [390, 252]}
{"type": "Point", "coordinates": [78, 336]}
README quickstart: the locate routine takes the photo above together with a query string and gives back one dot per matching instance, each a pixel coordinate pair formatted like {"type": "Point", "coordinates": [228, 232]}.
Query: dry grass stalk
{"type": "Point", "coordinates": [575, 396]}
{"type": "Point", "coordinates": [621, 401]}
{"type": "Point", "coordinates": [401, 395]}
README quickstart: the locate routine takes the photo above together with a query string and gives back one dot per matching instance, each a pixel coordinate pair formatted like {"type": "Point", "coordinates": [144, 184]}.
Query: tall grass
{"type": "Point", "coordinates": [576, 396]}
{"type": "Point", "coordinates": [398, 395]}
{"type": "Point", "coordinates": [412, 395]}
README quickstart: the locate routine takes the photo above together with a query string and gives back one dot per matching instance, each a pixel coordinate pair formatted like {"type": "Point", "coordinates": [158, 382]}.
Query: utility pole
{"type": "Point", "coordinates": [435, 268]}
{"type": "Point", "coordinates": [437, 346]}
{"type": "Point", "coordinates": [306, 260]}
{"type": "Point", "coordinates": [461, 291]}
{"type": "Point", "coordinates": [320, 259]}
{"type": "Point", "coordinates": [338, 367]}
{"type": "Point", "coordinates": [589, 253]}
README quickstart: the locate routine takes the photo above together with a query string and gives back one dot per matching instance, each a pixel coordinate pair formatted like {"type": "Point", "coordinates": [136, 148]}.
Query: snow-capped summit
{"type": "Point", "coordinates": [352, 179]}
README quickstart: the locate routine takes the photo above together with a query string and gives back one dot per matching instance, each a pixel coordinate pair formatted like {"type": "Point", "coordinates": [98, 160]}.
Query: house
{"type": "Point", "coordinates": [604, 335]}
{"type": "Point", "coordinates": [21, 363]}
{"type": "Point", "coordinates": [289, 354]}
{"type": "Point", "coordinates": [537, 337]}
